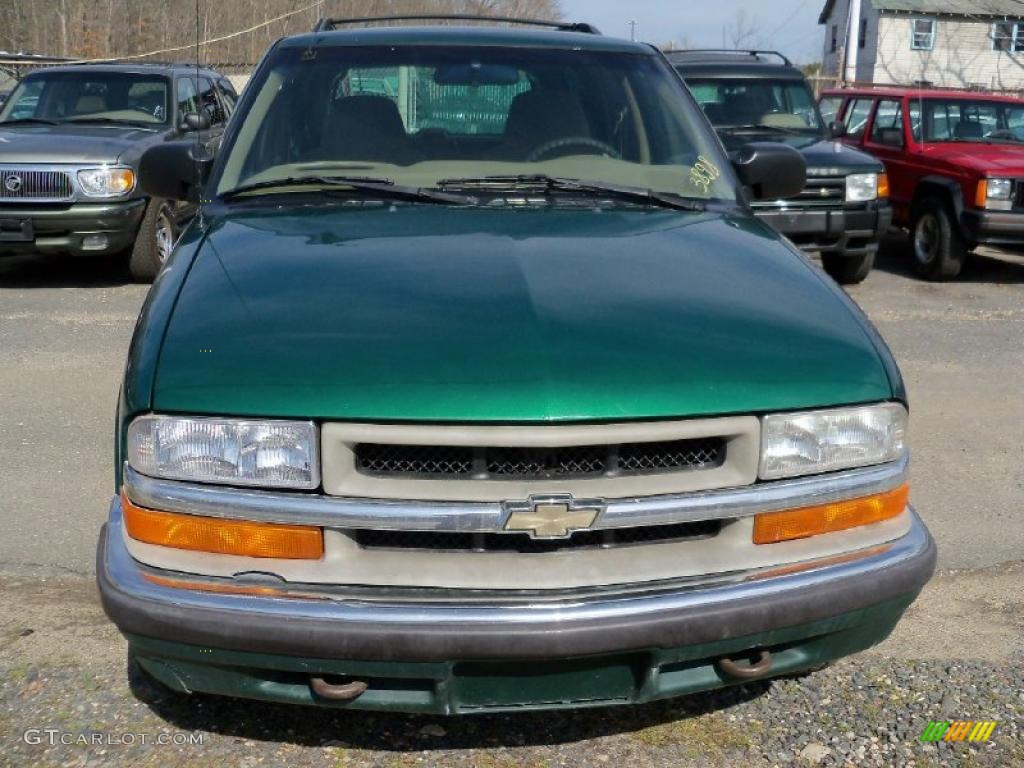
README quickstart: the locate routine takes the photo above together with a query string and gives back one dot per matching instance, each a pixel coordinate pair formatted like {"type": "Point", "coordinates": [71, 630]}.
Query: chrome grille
{"type": "Point", "coordinates": [523, 544]}
{"type": "Point", "coordinates": [500, 463]}
{"type": "Point", "coordinates": [824, 191]}
{"type": "Point", "coordinates": [35, 185]}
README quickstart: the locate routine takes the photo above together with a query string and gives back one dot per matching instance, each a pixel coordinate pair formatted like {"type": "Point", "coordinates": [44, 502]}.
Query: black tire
{"type": "Point", "coordinates": [848, 269]}
{"type": "Point", "coordinates": [937, 247]}
{"type": "Point", "coordinates": [154, 241]}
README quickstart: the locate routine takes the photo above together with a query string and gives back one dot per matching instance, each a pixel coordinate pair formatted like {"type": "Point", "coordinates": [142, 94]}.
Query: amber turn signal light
{"type": "Point", "coordinates": [773, 527]}
{"type": "Point", "coordinates": [221, 536]}
{"type": "Point", "coordinates": [883, 186]}
{"type": "Point", "coordinates": [981, 196]}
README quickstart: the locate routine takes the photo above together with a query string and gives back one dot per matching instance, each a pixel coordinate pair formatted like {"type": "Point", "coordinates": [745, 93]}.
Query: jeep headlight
{"type": "Point", "coordinates": [812, 442]}
{"type": "Point", "coordinates": [995, 194]}
{"type": "Point", "coordinates": [275, 454]}
{"type": "Point", "coordinates": [106, 181]}
{"type": "Point", "coordinates": [861, 187]}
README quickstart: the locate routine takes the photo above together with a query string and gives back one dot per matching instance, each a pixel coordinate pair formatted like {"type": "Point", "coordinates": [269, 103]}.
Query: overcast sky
{"type": "Point", "coordinates": [790, 26]}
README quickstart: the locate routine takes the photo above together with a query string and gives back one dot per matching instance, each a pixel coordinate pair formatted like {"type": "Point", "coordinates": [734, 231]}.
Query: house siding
{"type": "Point", "coordinates": [866, 56]}
{"type": "Point", "coordinates": [962, 56]}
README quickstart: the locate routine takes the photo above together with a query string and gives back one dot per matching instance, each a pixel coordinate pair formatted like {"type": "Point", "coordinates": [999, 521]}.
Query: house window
{"type": "Point", "coordinates": [923, 38]}
{"type": "Point", "coordinates": [835, 37]}
{"type": "Point", "coordinates": [863, 33]}
{"type": "Point", "coordinates": [1008, 36]}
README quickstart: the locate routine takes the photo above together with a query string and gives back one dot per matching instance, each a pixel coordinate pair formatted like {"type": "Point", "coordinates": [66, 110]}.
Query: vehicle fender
{"type": "Point", "coordinates": [944, 186]}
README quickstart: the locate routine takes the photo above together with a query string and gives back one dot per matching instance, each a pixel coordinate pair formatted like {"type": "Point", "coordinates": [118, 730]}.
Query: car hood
{"type": "Point", "coordinates": [68, 143]}
{"type": "Point", "coordinates": [992, 159]}
{"type": "Point", "coordinates": [421, 313]}
{"type": "Point", "coordinates": [824, 157]}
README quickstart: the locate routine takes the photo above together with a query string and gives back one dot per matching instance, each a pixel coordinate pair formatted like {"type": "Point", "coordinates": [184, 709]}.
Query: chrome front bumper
{"type": "Point", "coordinates": [302, 621]}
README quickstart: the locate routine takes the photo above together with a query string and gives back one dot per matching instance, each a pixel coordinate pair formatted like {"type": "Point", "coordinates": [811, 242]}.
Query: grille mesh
{"type": "Point", "coordinates": [35, 185]}
{"type": "Point", "coordinates": [523, 544]}
{"type": "Point", "coordinates": [495, 463]}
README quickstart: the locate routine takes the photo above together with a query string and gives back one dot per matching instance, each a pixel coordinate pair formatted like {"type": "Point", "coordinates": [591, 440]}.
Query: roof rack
{"type": "Point", "coordinates": [327, 24]}
{"type": "Point", "coordinates": [743, 52]}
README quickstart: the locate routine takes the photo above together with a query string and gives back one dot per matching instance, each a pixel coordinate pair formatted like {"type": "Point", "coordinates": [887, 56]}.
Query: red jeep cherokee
{"type": "Point", "coordinates": [955, 161]}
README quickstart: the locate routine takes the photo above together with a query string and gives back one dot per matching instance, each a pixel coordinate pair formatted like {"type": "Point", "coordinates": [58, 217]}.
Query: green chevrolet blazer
{"type": "Point", "coordinates": [475, 385]}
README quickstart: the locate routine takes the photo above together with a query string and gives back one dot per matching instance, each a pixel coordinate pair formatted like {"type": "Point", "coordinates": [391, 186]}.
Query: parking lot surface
{"type": "Point", "coordinates": [64, 332]}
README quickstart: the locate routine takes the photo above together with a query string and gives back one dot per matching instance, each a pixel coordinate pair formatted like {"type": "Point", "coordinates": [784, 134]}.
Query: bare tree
{"type": "Point", "coordinates": [743, 31]}
{"type": "Point", "coordinates": [116, 28]}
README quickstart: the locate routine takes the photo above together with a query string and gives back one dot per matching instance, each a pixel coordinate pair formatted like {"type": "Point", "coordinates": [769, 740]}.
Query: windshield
{"type": "Point", "coordinates": [418, 116]}
{"type": "Point", "coordinates": [965, 120]}
{"type": "Point", "coordinates": [118, 97]}
{"type": "Point", "coordinates": [783, 107]}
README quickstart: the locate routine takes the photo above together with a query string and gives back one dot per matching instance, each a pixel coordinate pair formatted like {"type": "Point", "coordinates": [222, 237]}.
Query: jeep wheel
{"type": "Point", "coordinates": [848, 269]}
{"type": "Point", "coordinates": [938, 248]}
{"type": "Point", "coordinates": [154, 242]}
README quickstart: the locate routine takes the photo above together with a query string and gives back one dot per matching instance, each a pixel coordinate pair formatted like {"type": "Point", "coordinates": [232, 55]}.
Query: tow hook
{"type": "Point", "coordinates": [760, 668]}
{"type": "Point", "coordinates": [346, 692]}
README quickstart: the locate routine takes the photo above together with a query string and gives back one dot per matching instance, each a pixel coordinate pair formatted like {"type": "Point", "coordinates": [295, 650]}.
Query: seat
{"type": "Point", "coordinates": [969, 129]}
{"type": "Point", "coordinates": [538, 117]}
{"type": "Point", "coordinates": [90, 104]}
{"type": "Point", "coordinates": [368, 128]}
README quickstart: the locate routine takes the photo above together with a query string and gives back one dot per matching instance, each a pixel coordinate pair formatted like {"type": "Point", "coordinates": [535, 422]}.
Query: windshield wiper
{"type": "Point", "coordinates": [30, 120]}
{"type": "Point", "coordinates": [765, 128]}
{"type": "Point", "coordinates": [385, 188]}
{"type": "Point", "coordinates": [108, 121]}
{"type": "Point", "coordinates": [542, 183]}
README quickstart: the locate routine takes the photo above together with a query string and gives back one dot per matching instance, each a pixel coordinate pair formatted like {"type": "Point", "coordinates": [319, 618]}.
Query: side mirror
{"type": "Point", "coordinates": [771, 171]}
{"type": "Point", "coordinates": [175, 170]}
{"type": "Point", "coordinates": [837, 129]}
{"type": "Point", "coordinates": [195, 121]}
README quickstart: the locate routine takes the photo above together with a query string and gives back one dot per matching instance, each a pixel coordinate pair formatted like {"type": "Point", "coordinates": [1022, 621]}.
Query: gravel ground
{"type": "Point", "coordinates": [852, 714]}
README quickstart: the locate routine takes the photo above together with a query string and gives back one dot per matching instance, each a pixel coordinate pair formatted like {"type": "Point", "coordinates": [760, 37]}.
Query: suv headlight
{"type": "Point", "coordinates": [809, 443]}
{"type": "Point", "coordinates": [274, 454]}
{"type": "Point", "coordinates": [106, 182]}
{"type": "Point", "coordinates": [862, 187]}
{"type": "Point", "coordinates": [995, 194]}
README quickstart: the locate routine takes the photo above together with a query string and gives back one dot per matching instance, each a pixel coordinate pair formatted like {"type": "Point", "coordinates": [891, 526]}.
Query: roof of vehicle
{"type": "Point", "coordinates": [137, 68]}
{"type": "Point", "coordinates": [465, 35]}
{"type": "Point", "coordinates": [993, 8]}
{"type": "Point", "coordinates": [897, 92]}
{"type": "Point", "coordinates": [738, 63]}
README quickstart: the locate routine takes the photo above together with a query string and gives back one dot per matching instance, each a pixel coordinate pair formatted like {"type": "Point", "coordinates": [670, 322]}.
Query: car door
{"type": "Point", "coordinates": [197, 95]}
{"type": "Point", "coordinates": [886, 139]}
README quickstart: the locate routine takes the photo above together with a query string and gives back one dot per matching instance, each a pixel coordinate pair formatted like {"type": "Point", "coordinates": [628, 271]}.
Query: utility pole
{"type": "Point", "coordinates": [632, 30]}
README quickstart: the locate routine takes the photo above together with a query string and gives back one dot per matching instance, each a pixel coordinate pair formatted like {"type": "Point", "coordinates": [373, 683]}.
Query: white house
{"type": "Point", "coordinates": [954, 43]}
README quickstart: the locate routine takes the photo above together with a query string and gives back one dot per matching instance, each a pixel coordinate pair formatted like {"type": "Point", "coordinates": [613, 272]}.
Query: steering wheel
{"type": "Point", "coordinates": [572, 141]}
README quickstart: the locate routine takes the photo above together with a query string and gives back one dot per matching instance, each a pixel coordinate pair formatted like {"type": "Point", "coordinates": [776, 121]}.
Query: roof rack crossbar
{"type": "Point", "coordinates": [327, 24]}
{"type": "Point", "coordinates": [743, 51]}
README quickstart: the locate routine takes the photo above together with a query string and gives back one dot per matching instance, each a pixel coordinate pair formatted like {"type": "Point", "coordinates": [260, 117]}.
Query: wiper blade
{"type": "Point", "coordinates": [378, 186]}
{"type": "Point", "coordinates": [762, 127]}
{"type": "Point", "coordinates": [28, 120]}
{"type": "Point", "coordinates": [543, 184]}
{"type": "Point", "coordinates": [108, 121]}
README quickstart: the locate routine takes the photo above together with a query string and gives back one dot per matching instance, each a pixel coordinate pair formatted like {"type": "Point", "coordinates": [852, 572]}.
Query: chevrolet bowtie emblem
{"type": "Point", "coordinates": [552, 517]}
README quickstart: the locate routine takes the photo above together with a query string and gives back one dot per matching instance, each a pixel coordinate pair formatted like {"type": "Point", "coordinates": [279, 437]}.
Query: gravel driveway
{"type": "Point", "coordinates": [958, 655]}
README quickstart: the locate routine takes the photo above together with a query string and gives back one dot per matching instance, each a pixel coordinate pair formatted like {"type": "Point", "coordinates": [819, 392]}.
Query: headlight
{"type": "Point", "coordinates": [106, 182]}
{"type": "Point", "coordinates": [278, 454]}
{"type": "Point", "coordinates": [813, 442]}
{"type": "Point", "coordinates": [995, 194]}
{"type": "Point", "coordinates": [861, 187]}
